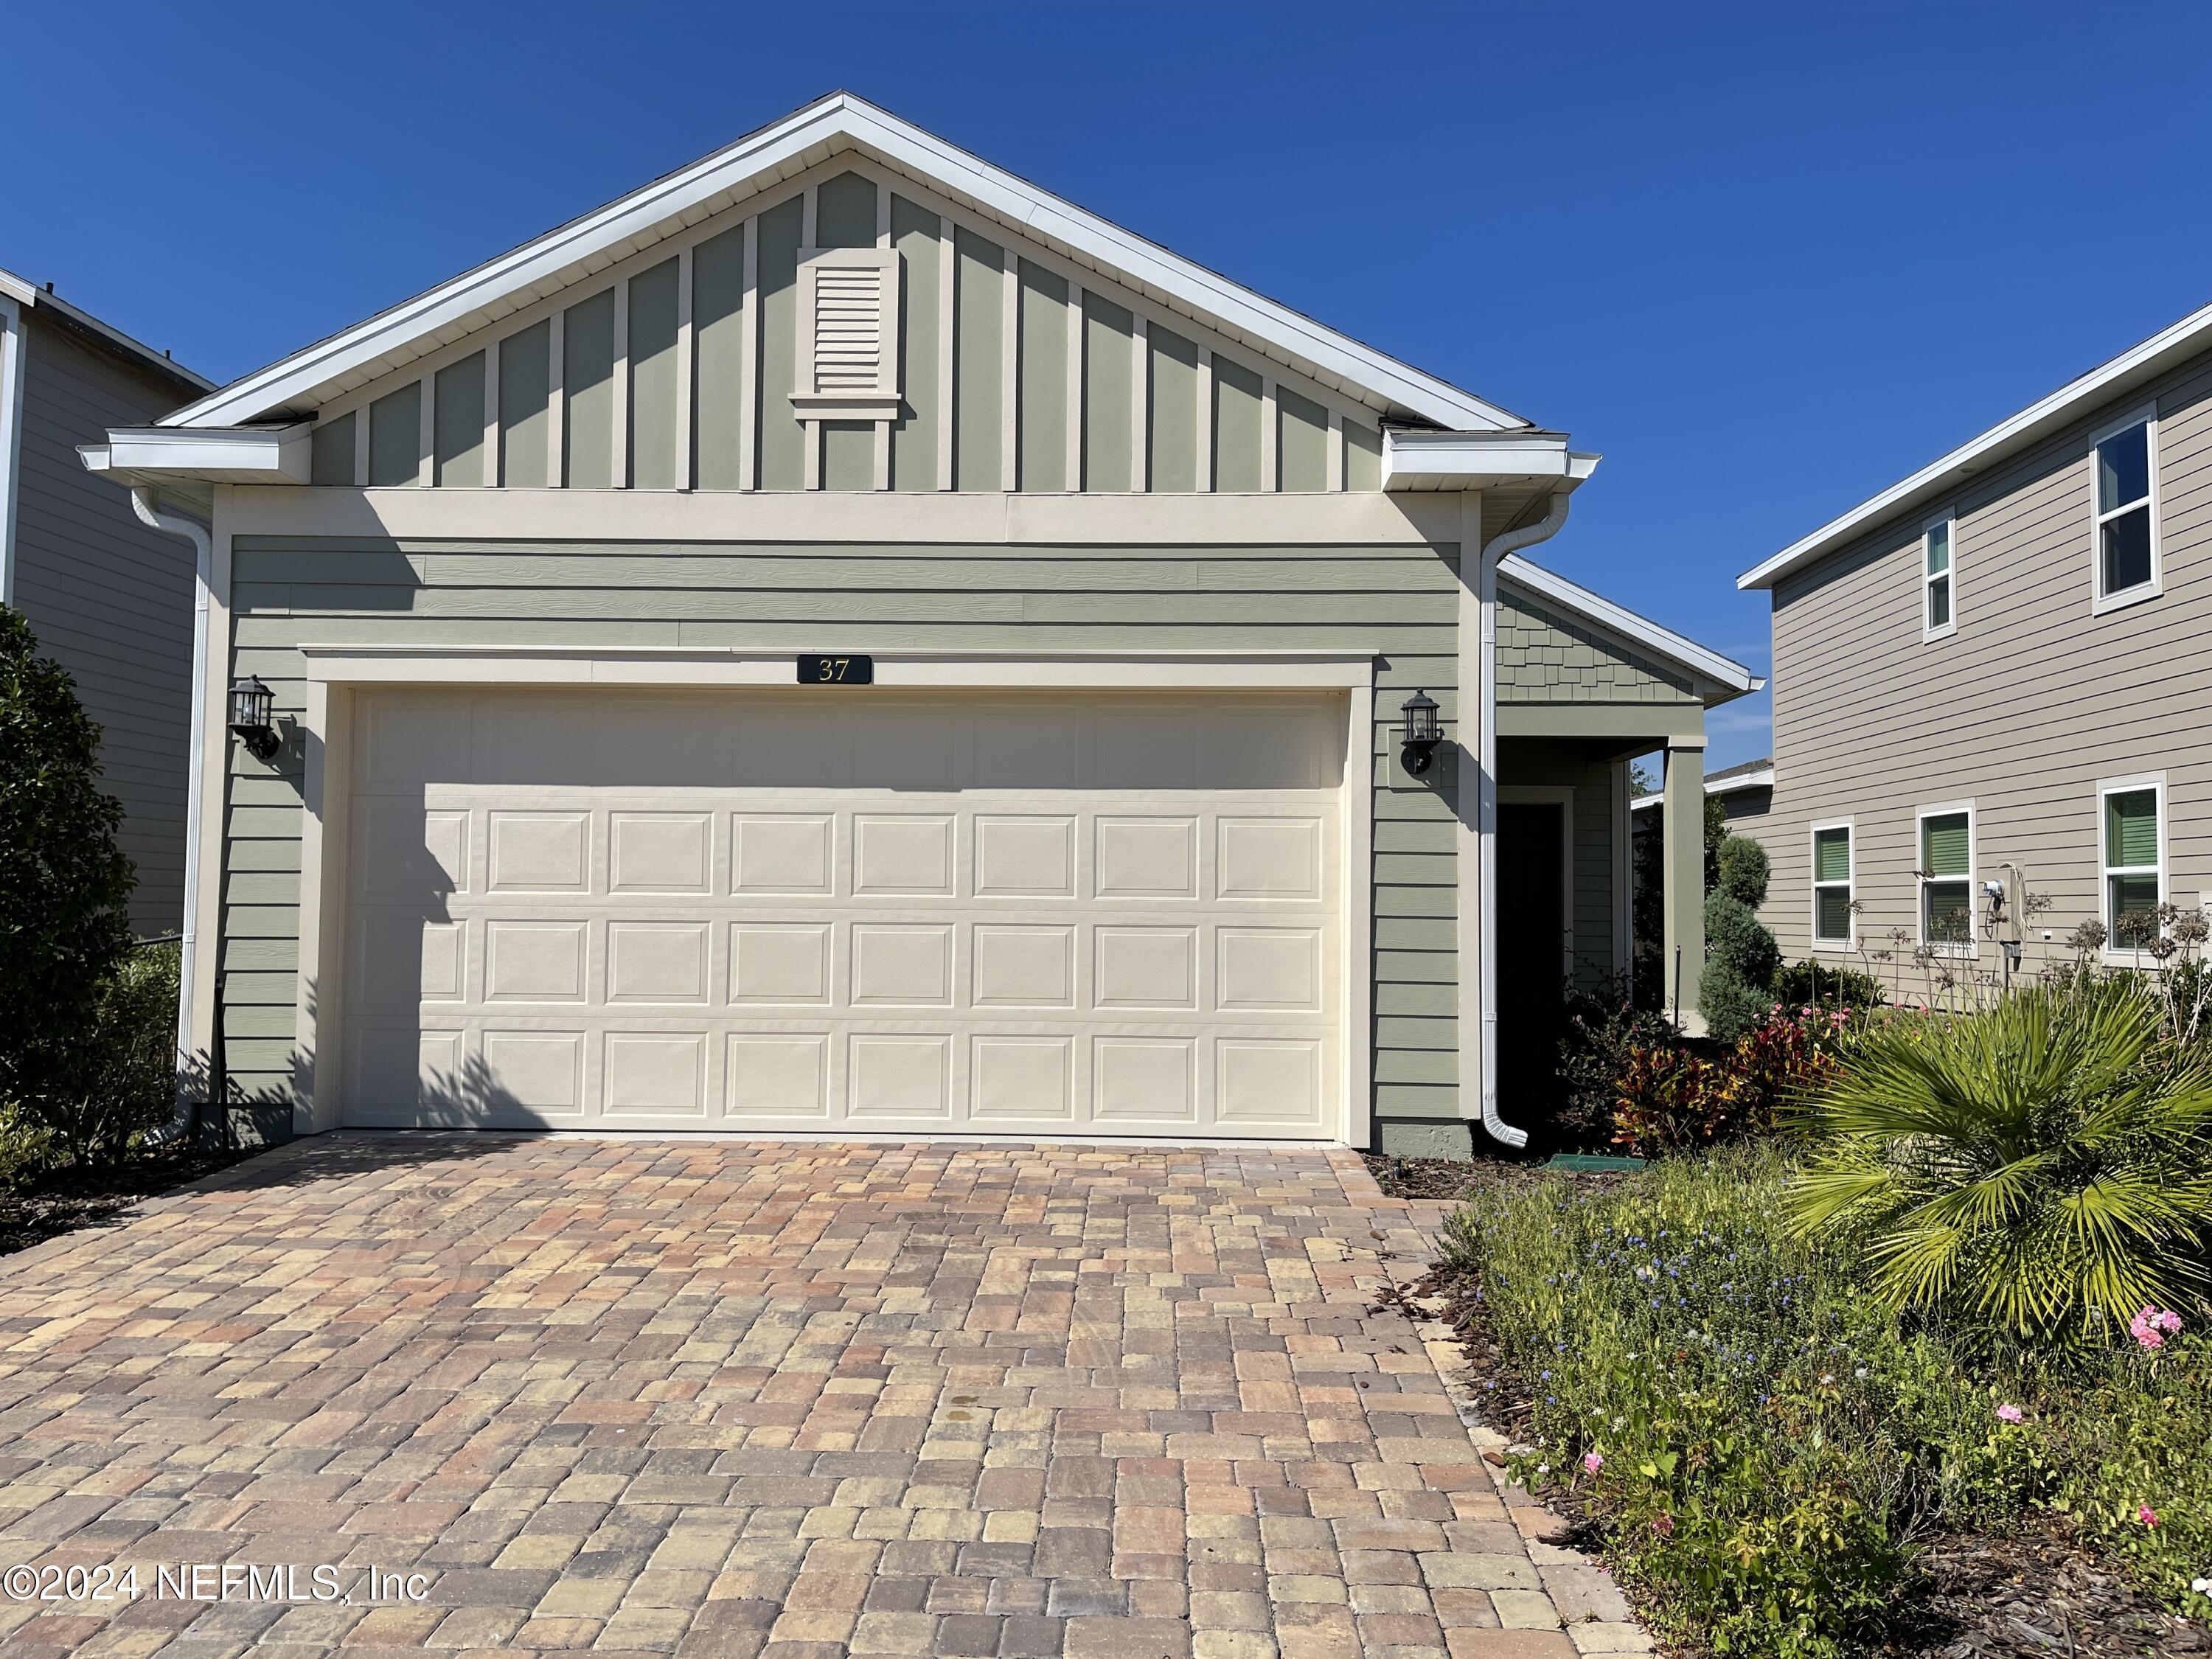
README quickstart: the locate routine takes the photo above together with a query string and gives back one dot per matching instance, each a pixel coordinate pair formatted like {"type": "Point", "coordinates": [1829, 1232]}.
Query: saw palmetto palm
{"type": "Point", "coordinates": [2045, 1164]}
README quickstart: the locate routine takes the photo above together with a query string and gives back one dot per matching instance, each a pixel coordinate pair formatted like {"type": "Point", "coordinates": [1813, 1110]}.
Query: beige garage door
{"type": "Point", "coordinates": [847, 910]}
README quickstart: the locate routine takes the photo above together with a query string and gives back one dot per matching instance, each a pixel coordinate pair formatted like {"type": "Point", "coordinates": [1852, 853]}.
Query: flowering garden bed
{"type": "Point", "coordinates": [1773, 1462]}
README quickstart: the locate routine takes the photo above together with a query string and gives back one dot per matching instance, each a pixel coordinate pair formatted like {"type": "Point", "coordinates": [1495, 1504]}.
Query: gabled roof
{"type": "Point", "coordinates": [33, 297]}
{"type": "Point", "coordinates": [1723, 678]}
{"type": "Point", "coordinates": [2136, 367]}
{"type": "Point", "coordinates": [840, 122]}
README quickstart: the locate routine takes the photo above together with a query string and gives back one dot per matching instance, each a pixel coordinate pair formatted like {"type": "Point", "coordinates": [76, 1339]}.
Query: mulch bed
{"type": "Point", "coordinates": [1449, 1177]}
{"type": "Point", "coordinates": [58, 1201]}
{"type": "Point", "coordinates": [2034, 1594]}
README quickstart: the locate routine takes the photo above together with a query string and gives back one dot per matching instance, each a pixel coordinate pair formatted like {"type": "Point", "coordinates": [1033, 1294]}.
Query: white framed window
{"type": "Point", "coordinates": [2131, 854]}
{"type": "Point", "coordinates": [1834, 926]}
{"type": "Point", "coordinates": [1945, 877]}
{"type": "Point", "coordinates": [2124, 512]}
{"type": "Point", "coordinates": [1939, 576]}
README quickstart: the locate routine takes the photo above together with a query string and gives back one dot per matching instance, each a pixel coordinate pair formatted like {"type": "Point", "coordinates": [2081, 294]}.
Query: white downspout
{"type": "Point", "coordinates": [142, 503]}
{"type": "Point", "coordinates": [1486, 811]}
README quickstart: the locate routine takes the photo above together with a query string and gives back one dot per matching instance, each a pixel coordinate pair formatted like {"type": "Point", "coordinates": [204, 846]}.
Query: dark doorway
{"type": "Point", "coordinates": [1532, 877]}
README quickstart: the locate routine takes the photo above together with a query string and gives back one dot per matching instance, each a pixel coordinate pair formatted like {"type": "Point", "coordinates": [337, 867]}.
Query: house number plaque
{"type": "Point", "coordinates": [837, 670]}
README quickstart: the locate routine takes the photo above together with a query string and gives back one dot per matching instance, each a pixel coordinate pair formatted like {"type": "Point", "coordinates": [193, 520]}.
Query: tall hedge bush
{"type": "Point", "coordinates": [1735, 991]}
{"type": "Point", "coordinates": [64, 884]}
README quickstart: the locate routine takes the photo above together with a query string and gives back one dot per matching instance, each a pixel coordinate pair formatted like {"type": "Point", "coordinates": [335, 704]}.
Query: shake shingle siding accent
{"type": "Point", "coordinates": [1401, 600]}
{"type": "Point", "coordinates": [2023, 709]}
{"type": "Point", "coordinates": [110, 599]}
{"type": "Point", "coordinates": [1543, 657]}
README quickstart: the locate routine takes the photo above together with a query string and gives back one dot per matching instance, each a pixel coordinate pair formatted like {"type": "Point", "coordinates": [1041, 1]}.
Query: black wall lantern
{"type": "Point", "coordinates": [1423, 733]}
{"type": "Point", "coordinates": [252, 708]}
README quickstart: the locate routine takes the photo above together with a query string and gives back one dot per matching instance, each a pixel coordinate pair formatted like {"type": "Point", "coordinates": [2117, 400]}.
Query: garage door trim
{"type": "Point", "coordinates": [334, 671]}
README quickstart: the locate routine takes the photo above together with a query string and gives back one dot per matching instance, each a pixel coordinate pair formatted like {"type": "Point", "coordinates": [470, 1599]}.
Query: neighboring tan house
{"type": "Point", "coordinates": [840, 640]}
{"type": "Point", "coordinates": [109, 597]}
{"type": "Point", "coordinates": [1996, 672]}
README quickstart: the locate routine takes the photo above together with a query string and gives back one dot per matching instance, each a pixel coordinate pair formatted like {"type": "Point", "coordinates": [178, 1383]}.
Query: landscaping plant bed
{"type": "Point", "coordinates": [1726, 1422]}
{"type": "Point", "coordinates": [38, 1207]}
{"type": "Point", "coordinates": [2032, 1594]}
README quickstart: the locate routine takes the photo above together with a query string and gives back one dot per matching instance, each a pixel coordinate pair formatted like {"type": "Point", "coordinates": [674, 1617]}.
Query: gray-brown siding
{"type": "Point", "coordinates": [110, 599]}
{"type": "Point", "coordinates": [2022, 710]}
{"type": "Point", "coordinates": [1400, 599]}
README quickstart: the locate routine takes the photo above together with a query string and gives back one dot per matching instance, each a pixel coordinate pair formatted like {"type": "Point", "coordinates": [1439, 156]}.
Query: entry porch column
{"type": "Point", "coordinates": [1683, 814]}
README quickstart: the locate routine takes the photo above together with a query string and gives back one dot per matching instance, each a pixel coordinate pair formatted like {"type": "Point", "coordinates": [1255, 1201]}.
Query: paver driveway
{"type": "Point", "coordinates": [735, 1398]}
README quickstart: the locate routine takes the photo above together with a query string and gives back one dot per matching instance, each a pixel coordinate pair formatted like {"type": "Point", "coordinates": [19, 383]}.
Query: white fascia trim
{"type": "Point", "coordinates": [2039, 420]}
{"type": "Point", "coordinates": [1721, 786]}
{"type": "Point", "coordinates": [146, 454]}
{"type": "Point", "coordinates": [1478, 460]}
{"type": "Point", "coordinates": [759, 161]}
{"type": "Point", "coordinates": [895, 669]}
{"type": "Point", "coordinates": [1661, 641]}
{"type": "Point", "coordinates": [11, 430]}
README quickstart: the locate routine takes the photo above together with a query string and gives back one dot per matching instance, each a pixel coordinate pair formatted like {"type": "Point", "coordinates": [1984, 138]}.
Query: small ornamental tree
{"type": "Point", "coordinates": [1735, 992]}
{"type": "Point", "coordinates": [64, 884]}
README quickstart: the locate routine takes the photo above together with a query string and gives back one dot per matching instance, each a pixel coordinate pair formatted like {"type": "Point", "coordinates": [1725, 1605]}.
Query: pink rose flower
{"type": "Point", "coordinates": [2009, 1413]}
{"type": "Point", "coordinates": [2146, 1514]}
{"type": "Point", "coordinates": [1593, 1461]}
{"type": "Point", "coordinates": [2150, 1327]}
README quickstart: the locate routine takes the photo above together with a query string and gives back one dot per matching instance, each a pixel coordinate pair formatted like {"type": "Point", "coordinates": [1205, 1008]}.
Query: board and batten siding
{"type": "Point", "coordinates": [2021, 710]}
{"type": "Point", "coordinates": [675, 369]}
{"type": "Point", "coordinates": [1399, 599]}
{"type": "Point", "coordinates": [110, 599]}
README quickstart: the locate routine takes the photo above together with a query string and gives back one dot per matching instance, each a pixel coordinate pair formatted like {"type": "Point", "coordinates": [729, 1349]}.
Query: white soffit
{"type": "Point", "coordinates": [758, 161]}
{"type": "Point", "coordinates": [1732, 677]}
{"type": "Point", "coordinates": [2070, 403]}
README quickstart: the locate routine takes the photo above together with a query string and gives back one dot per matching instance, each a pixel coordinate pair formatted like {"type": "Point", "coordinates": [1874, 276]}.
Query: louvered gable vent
{"type": "Point", "coordinates": [848, 335]}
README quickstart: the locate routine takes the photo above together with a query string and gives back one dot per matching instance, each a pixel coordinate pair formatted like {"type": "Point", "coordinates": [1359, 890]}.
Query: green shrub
{"type": "Point", "coordinates": [2136, 1475]}
{"type": "Point", "coordinates": [126, 1083]}
{"type": "Point", "coordinates": [1818, 985]}
{"type": "Point", "coordinates": [63, 883]}
{"type": "Point", "coordinates": [1604, 1036]}
{"type": "Point", "coordinates": [1742, 870]}
{"type": "Point", "coordinates": [1735, 992]}
{"type": "Point", "coordinates": [2044, 1166]}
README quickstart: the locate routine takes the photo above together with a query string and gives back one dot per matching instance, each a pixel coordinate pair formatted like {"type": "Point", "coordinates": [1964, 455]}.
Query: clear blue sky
{"type": "Point", "coordinates": [1767, 259]}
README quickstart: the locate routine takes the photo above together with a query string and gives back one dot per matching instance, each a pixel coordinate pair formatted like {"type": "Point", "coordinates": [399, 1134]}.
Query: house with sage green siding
{"type": "Point", "coordinates": [1990, 690]}
{"type": "Point", "coordinates": [840, 641]}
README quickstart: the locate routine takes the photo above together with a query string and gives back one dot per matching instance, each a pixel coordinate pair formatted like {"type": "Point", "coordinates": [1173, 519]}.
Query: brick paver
{"type": "Point", "coordinates": [793, 1400]}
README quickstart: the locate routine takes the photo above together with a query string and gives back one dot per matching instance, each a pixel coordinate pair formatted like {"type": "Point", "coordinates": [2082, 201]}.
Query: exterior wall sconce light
{"type": "Point", "coordinates": [252, 707]}
{"type": "Point", "coordinates": [1424, 732]}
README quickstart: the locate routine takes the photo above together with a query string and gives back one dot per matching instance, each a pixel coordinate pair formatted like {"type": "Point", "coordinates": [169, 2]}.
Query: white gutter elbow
{"type": "Point", "coordinates": [144, 503]}
{"type": "Point", "coordinates": [1511, 541]}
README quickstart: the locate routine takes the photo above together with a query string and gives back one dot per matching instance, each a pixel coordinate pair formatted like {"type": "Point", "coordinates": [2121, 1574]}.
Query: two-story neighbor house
{"type": "Point", "coordinates": [839, 640]}
{"type": "Point", "coordinates": [1995, 671]}
{"type": "Point", "coordinates": [109, 596]}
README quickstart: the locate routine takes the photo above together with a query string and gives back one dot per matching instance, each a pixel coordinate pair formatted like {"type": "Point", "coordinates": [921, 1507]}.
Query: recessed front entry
{"type": "Point", "coordinates": [849, 911]}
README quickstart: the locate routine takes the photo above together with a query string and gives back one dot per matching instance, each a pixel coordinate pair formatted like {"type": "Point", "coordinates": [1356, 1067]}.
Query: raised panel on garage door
{"type": "Point", "coordinates": [1047, 913]}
